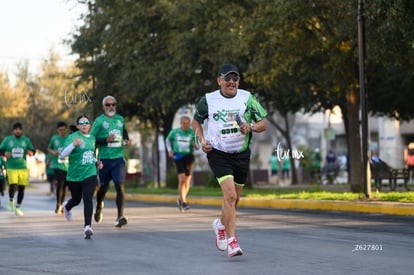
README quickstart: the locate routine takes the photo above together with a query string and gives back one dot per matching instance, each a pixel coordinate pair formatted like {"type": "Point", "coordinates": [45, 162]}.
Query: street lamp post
{"type": "Point", "coordinates": [362, 80]}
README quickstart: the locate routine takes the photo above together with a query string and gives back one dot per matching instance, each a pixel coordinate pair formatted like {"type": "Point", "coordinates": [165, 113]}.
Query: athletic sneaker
{"type": "Point", "coordinates": [121, 221]}
{"type": "Point", "coordinates": [98, 216]}
{"type": "Point", "coordinates": [18, 212]}
{"type": "Point", "coordinates": [98, 213]}
{"type": "Point", "coordinates": [88, 232]}
{"type": "Point", "coordinates": [11, 206]}
{"type": "Point", "coordinates": [220, 231]}
{"type": "Point", "coordinates": [180, 207]}
{"type": "Point", "coordinates": [233, 248]}
{"type": "Point", "coordinates": [68, 214]}
{"type": "Point", "coordinates": [185, 206]}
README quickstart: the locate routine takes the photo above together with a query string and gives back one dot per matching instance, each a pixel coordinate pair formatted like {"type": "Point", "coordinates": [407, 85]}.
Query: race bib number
{"type": "Point", "coordinates": [17, 153]}
{"type": "Point", "coordinates": [117, 141]}
{"type": "Point", "coordinates": [230, 131]}
{"type": "Point", "coordinates": [63, 160]}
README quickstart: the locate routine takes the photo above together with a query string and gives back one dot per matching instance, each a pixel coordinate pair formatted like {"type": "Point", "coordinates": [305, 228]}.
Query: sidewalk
{"type": "Point", "coordinates": [379, 207]}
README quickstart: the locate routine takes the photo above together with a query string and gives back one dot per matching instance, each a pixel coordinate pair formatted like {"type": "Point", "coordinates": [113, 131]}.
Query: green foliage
{"type": "Point", "coordinates": [307, 161]}
{"type": "Point", "coordinates": [172, 178]}
{"type": "Point", "coordinates": [309, 193]}
{"type": "Point", "coordinates": [390, 50]}
{"type": "Point", "coordinates": [132, 183]}
{"type": "Point", "coordinates": [40, 101]}
{"type": "Point", "coordinates": [211, 180]}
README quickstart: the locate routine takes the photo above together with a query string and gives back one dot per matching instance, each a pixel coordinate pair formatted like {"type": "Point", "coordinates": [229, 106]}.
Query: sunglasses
{"type": "Point", "coordinates": [110, 104]}
{"type": "Point", "coordinates": [234, 78]}
{"type": "Point", "coordinates": [85, 122]}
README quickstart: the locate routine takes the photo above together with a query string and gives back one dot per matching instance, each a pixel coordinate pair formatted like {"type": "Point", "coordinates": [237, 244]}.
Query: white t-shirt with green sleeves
{"type": "Point", "coordinates": [221, 112]}
{"type": "Point", "coordinates": [102, 127]}
{"type": "Point", "coordinates": [82, 161]}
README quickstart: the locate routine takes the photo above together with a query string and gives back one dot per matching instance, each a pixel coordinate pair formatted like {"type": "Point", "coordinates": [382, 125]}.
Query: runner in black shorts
{"type": "Point", "coordinates": [223, 164]}
{"type": "Point", "coordinates": [184, 166]}
{"type": "Point", "coordinates": [233, 115]}
{"type": "Point", "coordinates": [180, 144]}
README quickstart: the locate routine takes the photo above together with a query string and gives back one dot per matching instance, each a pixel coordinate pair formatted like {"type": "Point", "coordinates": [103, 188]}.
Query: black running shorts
{"type": "Point", "coordinates": [185, 164]}
{"type": "Point", "coordinates": [225, 164]}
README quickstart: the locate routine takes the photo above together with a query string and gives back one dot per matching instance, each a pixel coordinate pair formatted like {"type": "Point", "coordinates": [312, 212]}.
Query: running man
{"type": "Point", "coordinates": [111, 136]}
{"type": "Point", "coordinates": [233, 115]}
{"type": "Point", "coordinates": [59, 164]}
{"type": "Point", "coordinates": [16, 148]}
{"type": "Point", "coordinates": [50, 174]}
{"type": "Point", "coordinates": [180, 144]}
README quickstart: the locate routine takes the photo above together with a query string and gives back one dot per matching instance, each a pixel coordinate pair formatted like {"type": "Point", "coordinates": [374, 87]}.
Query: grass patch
{"type": "Point", "coordinates": [393, 196]}
{"type": "Point", "coordinates": [309, 193]}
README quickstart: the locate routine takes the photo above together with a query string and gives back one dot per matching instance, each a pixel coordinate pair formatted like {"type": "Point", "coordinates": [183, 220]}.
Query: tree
{"type": "Point", "coordinates": [40, 101]}
{"type": "Point", "coordinates": [13, 104]}
{"type": "Point", "coordinates": [156, 49]}
{"type": "Point", "coordinates": [311, 48]}
{"type": "Point", "coordinates": [295, 56]}
{"type": "Point", "coordinates": [158, 52]}
{"type": "Point", "coordinates": [390, 53]}
{"type": "Point", "coordinates": [307, 62]}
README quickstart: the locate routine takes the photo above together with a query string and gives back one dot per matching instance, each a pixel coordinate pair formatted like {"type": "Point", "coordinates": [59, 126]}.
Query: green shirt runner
{"type": "Point", "coordinates": [274, 163]}
{"type": "Point", "coordinates": [82, 159]}
{"type": "Point", "coordinates": [104, 126]}
{"type": "Point", "coordinates": [18, 149]}
{"type": "Point", "coordinates": [57, 143]}
{"type": "Point", "coordinates": [182, 142]}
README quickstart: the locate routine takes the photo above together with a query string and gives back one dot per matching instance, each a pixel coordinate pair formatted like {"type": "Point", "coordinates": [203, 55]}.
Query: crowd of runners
{"type": "Point", "coordinates": [87, 156]}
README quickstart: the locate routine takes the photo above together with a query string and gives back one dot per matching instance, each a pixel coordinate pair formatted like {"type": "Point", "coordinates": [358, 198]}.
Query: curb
{"type": "Point", "coordinates": [378, 207]}
{"type": "Point", "coordinates": [375, 207]}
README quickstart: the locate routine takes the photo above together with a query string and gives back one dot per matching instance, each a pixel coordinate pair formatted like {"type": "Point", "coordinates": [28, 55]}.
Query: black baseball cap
{"type": "Point", "coordinates": [227, 69]}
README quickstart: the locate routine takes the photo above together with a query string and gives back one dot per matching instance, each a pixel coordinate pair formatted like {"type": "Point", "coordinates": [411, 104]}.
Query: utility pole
{"type": "Point", "coordinates": [362, 80]}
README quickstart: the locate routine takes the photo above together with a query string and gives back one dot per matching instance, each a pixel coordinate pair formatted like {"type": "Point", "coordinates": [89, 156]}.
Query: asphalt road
{"type": "Point", "coordinates": [160, 240]}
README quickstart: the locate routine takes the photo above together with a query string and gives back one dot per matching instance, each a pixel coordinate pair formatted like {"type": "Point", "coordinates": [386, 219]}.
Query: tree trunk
{"type": "Point", "coordinates": [167, 126]}
{"type": "Point", "coordinates": [294, 178]}
{"type": "Point", "coordinates": [286, 134]}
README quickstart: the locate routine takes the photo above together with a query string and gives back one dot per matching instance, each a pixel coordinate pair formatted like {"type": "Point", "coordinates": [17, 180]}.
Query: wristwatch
{"type": "Point", "coordinates": [252, 127]}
